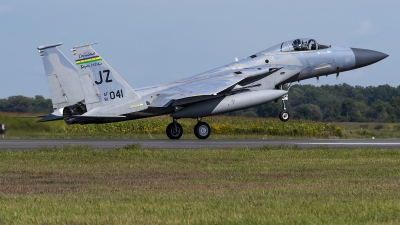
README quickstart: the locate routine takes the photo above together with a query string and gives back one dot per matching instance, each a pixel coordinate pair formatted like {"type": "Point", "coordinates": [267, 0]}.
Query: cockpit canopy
{"type": "Point", "coordinates": [299, 44]}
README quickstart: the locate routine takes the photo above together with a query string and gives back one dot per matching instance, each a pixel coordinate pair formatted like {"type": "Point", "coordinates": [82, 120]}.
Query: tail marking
{"type": "Point", "coordinates": [87, 59]}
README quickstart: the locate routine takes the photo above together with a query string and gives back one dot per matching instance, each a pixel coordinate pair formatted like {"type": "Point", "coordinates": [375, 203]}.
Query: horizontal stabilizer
{"type": "Point", "coordinates": [56, 115]}
{"type": "Point", "coordinates": [50, 117]}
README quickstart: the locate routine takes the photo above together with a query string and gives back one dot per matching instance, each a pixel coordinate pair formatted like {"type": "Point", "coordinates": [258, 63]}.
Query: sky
{"type": "Point", "coordinates": [150, 42]}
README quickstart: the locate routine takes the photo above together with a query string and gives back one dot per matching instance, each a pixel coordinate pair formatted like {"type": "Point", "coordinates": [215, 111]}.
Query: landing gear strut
{"type": "Point", "coordinates": [174, 130]}
{"type": "Point", "coordinates": [284, 115]}
{"type": "Point", "coordinates": [202, 130]}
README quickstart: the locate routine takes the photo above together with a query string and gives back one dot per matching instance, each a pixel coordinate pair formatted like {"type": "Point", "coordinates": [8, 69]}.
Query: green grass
{"type": "Point", "coordinates": [131, 185]}
{"type": "Point", "coordinates": [368, 130]}
{"type": "Point", "coordinates": [223, 127]}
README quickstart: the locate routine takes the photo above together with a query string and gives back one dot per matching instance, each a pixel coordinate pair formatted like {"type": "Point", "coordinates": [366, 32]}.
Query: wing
{"type": "Point", "coordinates": [208, 85]}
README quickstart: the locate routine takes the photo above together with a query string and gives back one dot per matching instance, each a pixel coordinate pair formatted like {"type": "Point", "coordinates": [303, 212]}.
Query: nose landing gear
{"type": "Point", "coordinates": [284, 115]}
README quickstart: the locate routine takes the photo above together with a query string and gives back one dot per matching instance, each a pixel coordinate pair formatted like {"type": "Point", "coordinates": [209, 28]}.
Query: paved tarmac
{"type": "Point", "coordinates": [27, 144]}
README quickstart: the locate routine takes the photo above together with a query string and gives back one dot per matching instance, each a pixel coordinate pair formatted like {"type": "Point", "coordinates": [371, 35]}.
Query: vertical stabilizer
{"type": "Point", "coordinates": [62, 77]}
{"type": "Point", "coordinates": [100, 83]}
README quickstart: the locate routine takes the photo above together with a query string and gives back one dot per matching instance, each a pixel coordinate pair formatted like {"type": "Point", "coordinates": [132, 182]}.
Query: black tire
{"type": "Point", "coordinates": [173, 133]}
{"type": "Point", "coordinates": [202, 130]}
{"type": "Point", "coordinates": [284, 116]}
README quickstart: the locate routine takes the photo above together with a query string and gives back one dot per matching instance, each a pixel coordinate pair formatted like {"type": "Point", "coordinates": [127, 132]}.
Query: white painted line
{"type": "Point", "coordinates": [348, 143]}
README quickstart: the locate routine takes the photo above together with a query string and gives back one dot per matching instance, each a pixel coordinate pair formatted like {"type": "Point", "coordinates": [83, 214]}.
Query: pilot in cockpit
{"type": "Point", "coordinates": [304, 46]}
{"type": "Point", "coordinates": [297, 45]}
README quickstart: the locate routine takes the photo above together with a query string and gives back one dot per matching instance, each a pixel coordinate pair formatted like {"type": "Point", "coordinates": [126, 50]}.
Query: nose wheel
{"type": "Point", "coordinates": [284, 116]}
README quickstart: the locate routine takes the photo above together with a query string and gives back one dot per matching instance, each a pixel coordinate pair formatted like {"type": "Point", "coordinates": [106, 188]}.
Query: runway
{"type": "Point", "coordinates": [28, 144]}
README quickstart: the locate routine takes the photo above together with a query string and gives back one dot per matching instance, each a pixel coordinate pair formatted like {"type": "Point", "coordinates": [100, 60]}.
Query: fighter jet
{"type": "Point", "coordinates": [93, 92]}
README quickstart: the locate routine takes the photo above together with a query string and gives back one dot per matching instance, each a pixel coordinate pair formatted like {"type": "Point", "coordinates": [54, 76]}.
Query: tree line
{"type": "Point", "coordinates": [329, 103]}
{"type": "Point", "coordinates": [22, 104]}
{"type": "Point", "coordinates": [334, 103]}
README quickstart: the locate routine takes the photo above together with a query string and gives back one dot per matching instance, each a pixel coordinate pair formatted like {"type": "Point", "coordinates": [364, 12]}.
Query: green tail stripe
{"type": "Point", "coordinates": [89, 61]}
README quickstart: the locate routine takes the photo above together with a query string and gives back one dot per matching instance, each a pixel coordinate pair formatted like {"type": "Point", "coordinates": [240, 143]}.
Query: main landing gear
{"type": "Point", "coordinates": [202, 130]}
{"type": "Point", "coordinates": [174, 130]}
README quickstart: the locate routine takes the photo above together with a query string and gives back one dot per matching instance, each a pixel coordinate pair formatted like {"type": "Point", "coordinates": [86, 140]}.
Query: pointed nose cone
{"type": "Point", "coordinates": [365, 57]}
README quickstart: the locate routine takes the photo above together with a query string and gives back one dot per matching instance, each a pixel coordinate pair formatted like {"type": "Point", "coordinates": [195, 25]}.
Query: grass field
{"type": "Point", "coordinates": [131, 185]}
{"type": "Point", "coordinates": [223, 127]}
